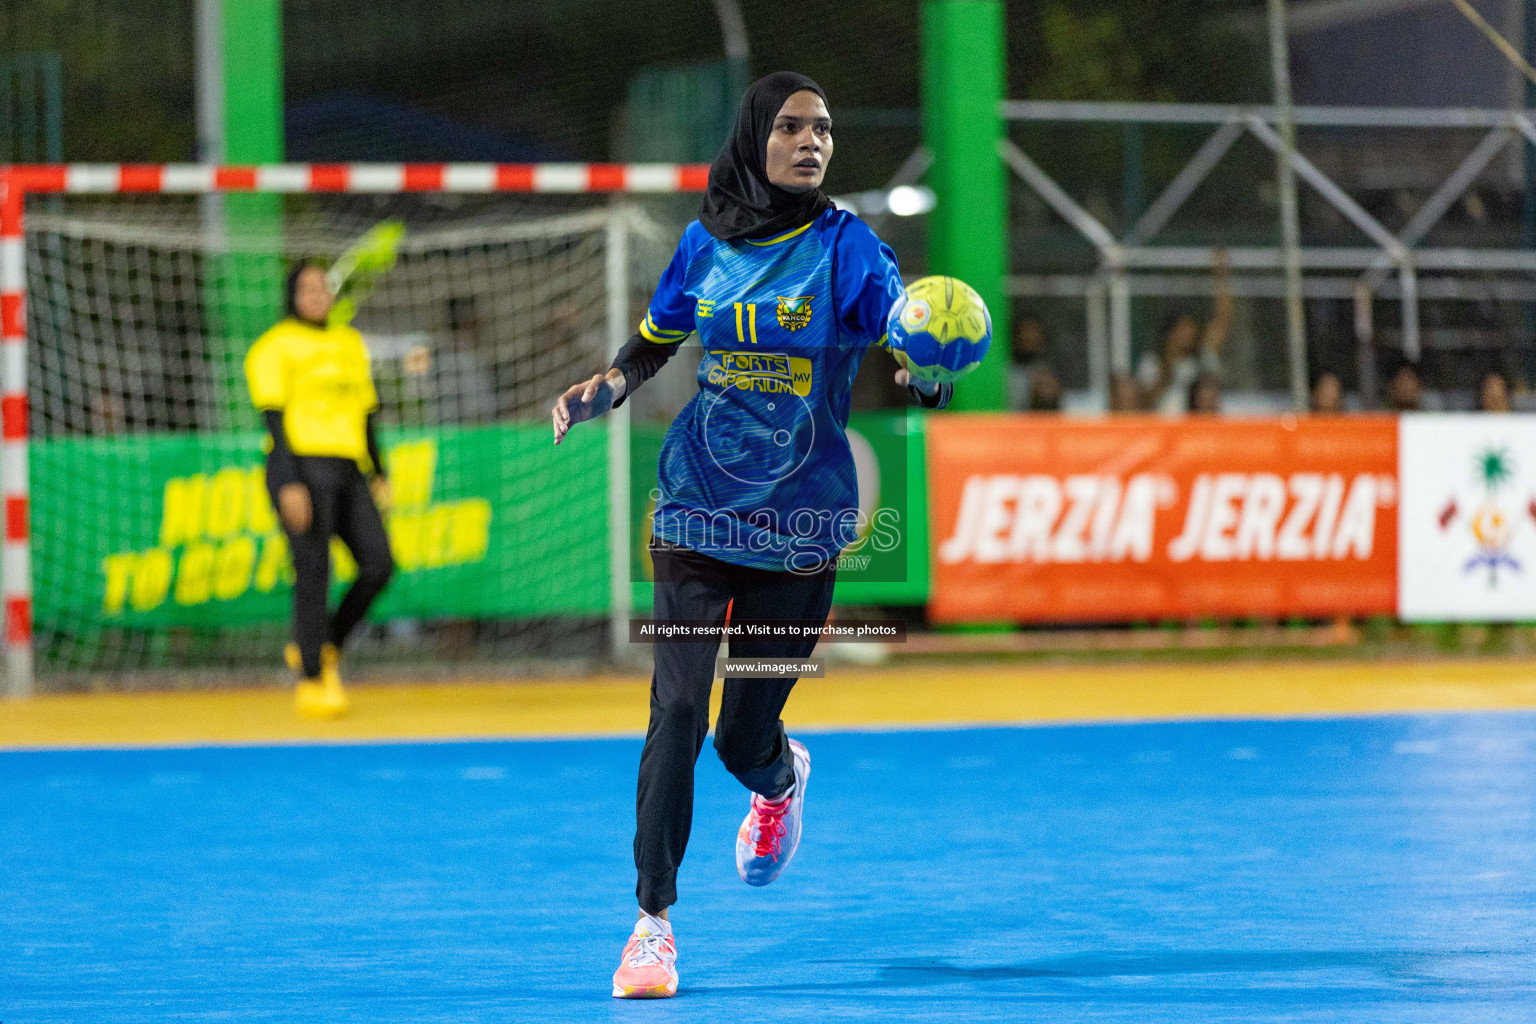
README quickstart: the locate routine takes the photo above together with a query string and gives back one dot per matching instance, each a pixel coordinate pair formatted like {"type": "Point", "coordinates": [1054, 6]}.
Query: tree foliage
{"type": "Point", "coordinates": [1158, 51]}
{"type": "Point", "coordinates": [127, 73]}
{"type": "Point", "coordinates": [557, 70]}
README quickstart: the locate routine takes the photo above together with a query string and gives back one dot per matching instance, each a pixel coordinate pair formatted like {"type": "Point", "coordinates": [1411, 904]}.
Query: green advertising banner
{"type": "Point", "coordinates": [163, 531]}
{"type": "Point", "coordinates": [178, 530]}
{"type": "Point", "coordinates": [894, 574]}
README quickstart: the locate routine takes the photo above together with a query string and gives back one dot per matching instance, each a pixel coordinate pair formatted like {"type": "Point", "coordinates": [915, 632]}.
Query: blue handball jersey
{"type": "Point", "coordinates": [756, 469]}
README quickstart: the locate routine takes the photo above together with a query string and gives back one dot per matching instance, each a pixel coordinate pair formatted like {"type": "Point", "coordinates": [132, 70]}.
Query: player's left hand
{"type": "Point", "coordinates": [586, 401]}
{"type": "Point", "coordinates": [383, 496]}
{"type": "Point", "coordinates": [927, 387]}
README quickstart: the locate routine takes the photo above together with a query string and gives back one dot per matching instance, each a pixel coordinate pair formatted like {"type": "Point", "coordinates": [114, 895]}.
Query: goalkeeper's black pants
{"type": "Point", "coordinates": [749, 736]}
{"type": "Point", "coordinates": [342, 506]}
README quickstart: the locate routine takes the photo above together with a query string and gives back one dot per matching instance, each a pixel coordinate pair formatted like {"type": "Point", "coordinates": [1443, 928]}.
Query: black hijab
{"type": "Point", "coordinates": [740, 202]}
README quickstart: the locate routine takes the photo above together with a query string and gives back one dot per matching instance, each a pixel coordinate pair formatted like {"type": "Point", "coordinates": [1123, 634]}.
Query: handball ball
{"type": "Point", "coordinates": [939, 329]}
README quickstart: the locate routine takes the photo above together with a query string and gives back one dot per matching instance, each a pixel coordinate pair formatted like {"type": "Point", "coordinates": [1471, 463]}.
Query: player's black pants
{"type": "Point", "coordinates": [749, 737]}
{"type": "Point", "coordinates": [342, 507]}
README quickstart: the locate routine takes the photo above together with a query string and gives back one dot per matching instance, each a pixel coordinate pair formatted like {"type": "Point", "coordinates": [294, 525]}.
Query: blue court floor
{"type": "Point", "coordinates": [1345, 870]}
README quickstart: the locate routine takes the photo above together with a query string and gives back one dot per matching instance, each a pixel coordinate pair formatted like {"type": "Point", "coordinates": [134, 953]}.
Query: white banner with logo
{"type": "Point", "coordinates": [1467, 518]}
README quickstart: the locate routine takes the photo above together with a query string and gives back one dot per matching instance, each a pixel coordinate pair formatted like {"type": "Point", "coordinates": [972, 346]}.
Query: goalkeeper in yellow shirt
{"type": "Point", "coordinates": [311, 380]}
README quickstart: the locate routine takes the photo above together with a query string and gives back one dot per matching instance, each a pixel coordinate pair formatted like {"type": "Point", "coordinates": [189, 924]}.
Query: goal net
{"type": "Point", "coordinates": [154, 547]}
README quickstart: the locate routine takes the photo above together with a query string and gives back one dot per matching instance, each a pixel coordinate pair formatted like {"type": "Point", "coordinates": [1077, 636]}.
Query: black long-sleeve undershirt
{"type": "Point", "coordinates": [284, 464]}
{"type": "Point", "coordinates": [639, 360]}
{"type": "Point", "coordinates": [373, 444]}
{"type": "Point", "coordinates": [938, 400]}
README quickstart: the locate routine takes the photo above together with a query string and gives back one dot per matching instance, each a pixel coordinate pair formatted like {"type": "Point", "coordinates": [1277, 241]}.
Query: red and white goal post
{"type": "Point", "coordinates": [17, 182]}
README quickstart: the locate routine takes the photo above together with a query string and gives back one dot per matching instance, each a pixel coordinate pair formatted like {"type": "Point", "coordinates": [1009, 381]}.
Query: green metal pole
{"type": "Point", "coordinates": [248, 282]}
{"type": "Point", "coordinates": [253, 81]}
{"type": "Point", "coordinates": [963, 85]}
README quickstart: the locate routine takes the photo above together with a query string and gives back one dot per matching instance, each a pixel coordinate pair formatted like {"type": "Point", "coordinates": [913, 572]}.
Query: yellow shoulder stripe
{"type": "Point", "coordinates": [786, 235]}
{"type": "Point", "coordinates": [650, 332]}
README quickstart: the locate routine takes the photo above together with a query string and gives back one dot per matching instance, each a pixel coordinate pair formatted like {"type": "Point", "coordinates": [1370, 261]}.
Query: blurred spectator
{"type": "Point", "coordinates": [1493, 396]}
{"type": "Point", "coordinates": [1185, 351]}
{"type": "Point", "coordinates": [1029, 351]}
{"type": "Point", "coordinates": [1405, 389]}
{"type": "Point", "coordinates": [467, 388]}
{"type": "Point", "coordinates": [443, 379]}
{"type": "Point", "coordinates": [1205, 395]}
{"type": "Point", "coordinates": [1327, 394]}
{"type": "Point", "coordinates": [1044, 391]}
{"type": "Point", "coordinates": [1124, 394]}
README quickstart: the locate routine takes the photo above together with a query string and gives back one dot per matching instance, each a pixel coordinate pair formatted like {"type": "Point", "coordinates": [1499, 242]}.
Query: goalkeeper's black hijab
{"type": "Point", "coordinates": [740, 201]}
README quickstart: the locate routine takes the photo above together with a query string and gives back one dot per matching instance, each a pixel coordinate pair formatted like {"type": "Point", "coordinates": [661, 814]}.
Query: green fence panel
{"type": "Point", "coordinates": [177, 530]}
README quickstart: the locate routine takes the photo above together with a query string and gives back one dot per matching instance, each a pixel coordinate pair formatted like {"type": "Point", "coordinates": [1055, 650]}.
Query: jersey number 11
{"type": "Point", "coordinates": [751, 322]}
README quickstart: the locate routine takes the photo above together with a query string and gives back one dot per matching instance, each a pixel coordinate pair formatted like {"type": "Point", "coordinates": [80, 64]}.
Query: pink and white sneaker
{"type": "Point", "coordinates": [770, 835]}
{"type": "Point", "coordinates": [649, 967]}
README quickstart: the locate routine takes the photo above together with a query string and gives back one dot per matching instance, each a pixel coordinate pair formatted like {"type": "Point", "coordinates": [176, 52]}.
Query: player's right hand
{"type": "Point", "coordinates": [584, 401]}
{"type": "Point", "coordinates": [927, 387]}
{"type": "Point", "coordinates": [294, 506]}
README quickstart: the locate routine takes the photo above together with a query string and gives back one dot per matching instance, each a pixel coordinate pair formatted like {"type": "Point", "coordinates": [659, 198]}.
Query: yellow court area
{"type": "Point", "coordinates": [924, 697]}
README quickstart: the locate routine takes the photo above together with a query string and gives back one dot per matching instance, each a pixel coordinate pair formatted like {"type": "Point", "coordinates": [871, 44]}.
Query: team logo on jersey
{"type": "Point", "coordinates": [766, 372]}
{"type": "Point", "coordinates": [794, 311]}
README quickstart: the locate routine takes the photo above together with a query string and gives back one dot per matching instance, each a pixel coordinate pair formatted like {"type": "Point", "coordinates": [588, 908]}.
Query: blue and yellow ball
{"type": "Point", "coordinates": [939, 329]}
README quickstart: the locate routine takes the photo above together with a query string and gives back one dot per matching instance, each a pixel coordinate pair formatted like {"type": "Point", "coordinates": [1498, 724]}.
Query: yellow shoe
{"type": "Point", "coordinates": [330, 663]}
{"type": "Point", "coordinates": [323, 698]}
{"type": "Point", "coordinates": [318, 700]}
{"type": "Point", "coordinates": [309, 699]}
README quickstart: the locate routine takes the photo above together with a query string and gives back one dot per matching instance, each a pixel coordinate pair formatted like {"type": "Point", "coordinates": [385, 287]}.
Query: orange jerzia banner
{"type": "Point", "coordinates": [1045, 519]}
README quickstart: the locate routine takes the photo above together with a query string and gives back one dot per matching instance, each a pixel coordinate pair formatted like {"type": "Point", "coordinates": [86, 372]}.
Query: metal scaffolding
{"type": "Point", "coordinates": [1394, 266]}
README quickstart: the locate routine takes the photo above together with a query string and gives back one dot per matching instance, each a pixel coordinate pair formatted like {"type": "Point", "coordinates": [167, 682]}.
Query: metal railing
{"type": "Point", "coordinates": [1420, 273]}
